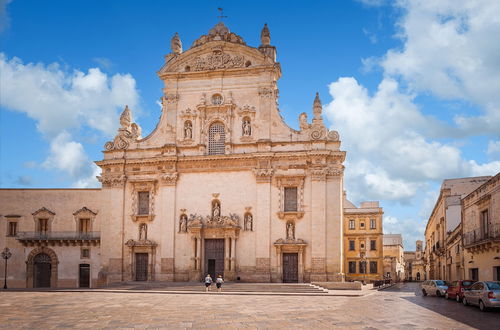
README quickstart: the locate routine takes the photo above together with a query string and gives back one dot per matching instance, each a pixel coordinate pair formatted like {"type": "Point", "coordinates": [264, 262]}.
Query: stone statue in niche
{"type": "Point", "coordinates": [215, 210]}
{"type": "Point", "coordinates": [290, 230]}
{"type": "Point", "coordinates": [143, 232]}
{"type": "Point", "coordinates": [183, 223]}
{"type": "Point", "coordinates": [188, 130]}
{"type": "Point", "coordinates": [247, 128]}
{"type": "Point", "coordinates": [248, 222]}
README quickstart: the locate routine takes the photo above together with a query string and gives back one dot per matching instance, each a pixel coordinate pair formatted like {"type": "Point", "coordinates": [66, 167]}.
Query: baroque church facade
{"type": "Point", "coordinates": [221, 186]}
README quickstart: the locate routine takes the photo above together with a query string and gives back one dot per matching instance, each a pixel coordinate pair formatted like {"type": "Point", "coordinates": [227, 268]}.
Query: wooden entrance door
{"type": "Point", "coordinates": [214, 257]}
{"type": "Point", "coordinates": [42, 269]}
{"type": "Point", "coordinates": [290, 268]}
{"type": "Point", "coordinates": [141, 266]}
{"type": "Point", "coordinates": [84, 279]}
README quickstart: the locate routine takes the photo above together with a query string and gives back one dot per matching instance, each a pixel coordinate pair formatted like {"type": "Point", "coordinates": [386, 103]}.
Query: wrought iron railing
{"type": "Point", "coordinates": [479, 235]}
{"type": "Point", "coordinates": [58, 235]}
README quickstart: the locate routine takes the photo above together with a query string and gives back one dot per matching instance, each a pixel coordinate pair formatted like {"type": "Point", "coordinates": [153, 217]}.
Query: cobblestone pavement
{"type": "Point", "coordinates": [396, 308]}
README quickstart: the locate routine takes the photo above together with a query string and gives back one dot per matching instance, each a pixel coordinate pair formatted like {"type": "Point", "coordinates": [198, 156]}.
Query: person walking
{"type": "Point", "coordinates": [218, 283]}
{"type": "Point", "coordinates": [208, 282]}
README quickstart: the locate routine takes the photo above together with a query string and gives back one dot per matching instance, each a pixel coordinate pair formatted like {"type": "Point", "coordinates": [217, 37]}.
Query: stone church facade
{"type": "Point", "coordinates": [221, 186]}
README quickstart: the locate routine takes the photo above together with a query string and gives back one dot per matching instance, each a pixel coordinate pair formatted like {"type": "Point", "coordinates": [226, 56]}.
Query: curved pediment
{"type": "Point", "coordinates": [215, 55]}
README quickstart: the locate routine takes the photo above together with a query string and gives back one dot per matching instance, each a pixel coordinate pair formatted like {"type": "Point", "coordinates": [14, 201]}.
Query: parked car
{"type": "Point", "coordinates": [434, 287]}
{"type": "Point", "coordinates": [456, 289]}
{"type": "Point", "coordinates": [483, 294]}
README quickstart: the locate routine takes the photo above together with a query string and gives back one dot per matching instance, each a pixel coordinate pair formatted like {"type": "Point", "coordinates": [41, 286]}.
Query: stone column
{"type": "Point", "coordinates": [198, 253]}
{"type": "Point", "coordinates": [226, 254]}
{"type": "Point", "coordinates": [318, 226]}
{"type": "Point", "coordinates": [233, 254]}
{"type": "Point", "coordinates": [301, 264]}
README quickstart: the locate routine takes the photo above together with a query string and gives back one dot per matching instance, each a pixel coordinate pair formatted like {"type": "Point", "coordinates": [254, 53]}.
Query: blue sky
{"type": "Point", "coordinates": [412, 86]}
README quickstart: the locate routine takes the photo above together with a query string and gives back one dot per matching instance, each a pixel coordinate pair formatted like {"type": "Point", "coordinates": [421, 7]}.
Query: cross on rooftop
{"type": "Point", "coordinates": [221, 16]}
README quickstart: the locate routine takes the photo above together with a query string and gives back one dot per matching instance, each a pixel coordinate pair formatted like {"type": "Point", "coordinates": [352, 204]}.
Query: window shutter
{"type": "Point", "coordinates": [144, 202]}
{"type": "Point", "coordinates": [290, 199]}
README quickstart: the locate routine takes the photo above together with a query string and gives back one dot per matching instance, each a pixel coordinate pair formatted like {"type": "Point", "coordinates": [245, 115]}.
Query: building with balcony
{"type": "Point", "coordinates": [481, 231]}
{"type": "Point", "coordinates": [443, 221]}
{"type": "Point", "coordinates": [363, 244]}
{"type": "Point", "coordinates": [394, 261]}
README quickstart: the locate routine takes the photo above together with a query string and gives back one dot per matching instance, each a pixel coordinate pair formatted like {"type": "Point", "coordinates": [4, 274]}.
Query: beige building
{"type": "Point", "coordinates": [443, 261]}
{"type": "Point", "coordinates": [394, 262]}
{"type": "Point", "coordinates": [221, 186]}
{"type": "Point", "coordinates": [363, 244]}
{"type": "Point", "coordinates": [414, 263]}
{"type": "Point", "coordinates": [481, 231]}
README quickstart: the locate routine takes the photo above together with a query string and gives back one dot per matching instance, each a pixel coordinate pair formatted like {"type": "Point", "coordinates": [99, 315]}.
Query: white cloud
{"type": "Point", "coordinates": [449, 49]}
{"type": "Point", "coordinates": [62, 102]}
{"type": "Point", "coordinates": [411, 229]}
{"type": "Point", "coordinates": [91, 180]}
{"type": "Point", "coordinates": [493, 148]}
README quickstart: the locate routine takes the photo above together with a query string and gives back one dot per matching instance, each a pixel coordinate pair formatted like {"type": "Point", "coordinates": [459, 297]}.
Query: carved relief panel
{"type": "Point", "coordinates": [291, 199]}
{"type": "Point", "coordinates": [143, 200]}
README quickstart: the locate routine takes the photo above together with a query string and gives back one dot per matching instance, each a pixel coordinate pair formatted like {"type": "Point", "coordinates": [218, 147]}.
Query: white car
{"type": "Point", "coordinates": [434, 287]}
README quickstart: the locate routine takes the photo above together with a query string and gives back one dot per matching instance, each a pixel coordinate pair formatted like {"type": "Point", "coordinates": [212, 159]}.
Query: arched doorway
{"type": "Point", "coordinates": [42, 270]}
{"type": "Point", "coordinates": [418, 276]}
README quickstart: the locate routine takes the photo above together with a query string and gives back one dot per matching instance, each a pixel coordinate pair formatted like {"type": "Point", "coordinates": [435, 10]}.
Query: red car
{"type": "Point", "coordinates": [456, 289]}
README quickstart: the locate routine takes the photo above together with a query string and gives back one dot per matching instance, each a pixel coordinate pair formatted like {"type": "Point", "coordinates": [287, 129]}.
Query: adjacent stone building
{"type": "Point", "coordinates": [394, 262]}
{"type": "Point", "coordinates": [443, 233]}
{"type": "Point", "coordinates": [481, 231]}
{"type": "Point", "coordinates": [414, 263]}
{"type": "Point", "coordinates": [221, 186]}
{"type": "Point", "coordinates": [363, 244]}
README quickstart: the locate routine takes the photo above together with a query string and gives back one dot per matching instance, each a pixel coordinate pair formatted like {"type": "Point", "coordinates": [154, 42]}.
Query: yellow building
{"type": "Point", "coordinates": [481, 231]}
{"type": "Point", "coordinates": [363, 232]}
{"type": "Point", "coordinates": [394, 262]}
{"type": "Point", "coordinates": [444, 220]}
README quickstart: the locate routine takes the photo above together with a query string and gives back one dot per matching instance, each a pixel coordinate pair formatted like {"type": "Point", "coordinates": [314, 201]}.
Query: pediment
{"type": "Point", "coordinates": [43, 212]}
{"type": "Point", "coordinates": [215, 55]}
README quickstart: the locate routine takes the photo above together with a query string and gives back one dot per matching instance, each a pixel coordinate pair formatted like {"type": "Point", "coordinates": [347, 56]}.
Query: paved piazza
{"type": "Point", "coordinates": [396, 308]}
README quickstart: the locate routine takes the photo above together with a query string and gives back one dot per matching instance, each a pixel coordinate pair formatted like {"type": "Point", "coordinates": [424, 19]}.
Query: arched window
{"type": "Point", "coordinates": [216, 139]}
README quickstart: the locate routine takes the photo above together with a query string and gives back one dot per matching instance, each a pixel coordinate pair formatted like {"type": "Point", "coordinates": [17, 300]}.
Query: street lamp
{"type": "Point", "coordinates": [6, 254]}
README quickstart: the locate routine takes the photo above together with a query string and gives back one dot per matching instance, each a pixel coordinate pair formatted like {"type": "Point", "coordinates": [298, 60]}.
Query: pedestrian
{"type": "Point", "coordinates": [208, 282]}
{"type": "Point", "coordinates": [218, 283]}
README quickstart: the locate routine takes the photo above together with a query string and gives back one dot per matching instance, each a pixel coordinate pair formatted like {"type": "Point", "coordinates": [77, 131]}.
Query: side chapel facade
{"type": "Point", "coordinates": [221, 186]}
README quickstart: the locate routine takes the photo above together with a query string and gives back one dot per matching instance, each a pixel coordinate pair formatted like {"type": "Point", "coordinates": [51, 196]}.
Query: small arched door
{"type": "Point", "coordinates": [418, 276]}
{"type": "Point", "coordinates": [41, 271]}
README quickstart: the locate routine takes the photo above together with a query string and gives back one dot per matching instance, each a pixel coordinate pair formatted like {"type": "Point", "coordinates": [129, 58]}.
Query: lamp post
{"type": "Point", "coordinates": [363, 261]}
{"type": "Point", "coordinates": [6, 254]}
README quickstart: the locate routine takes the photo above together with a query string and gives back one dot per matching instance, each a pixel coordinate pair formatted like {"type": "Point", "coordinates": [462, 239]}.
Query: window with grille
{"type": "Point", "coordinates": [352, 267]}
{"type": "Point", "coordinates": [43, 225]}
{"type": "Point", "coordinates": [351, 246]}
{"type": "Point", "coordinates": [373, 224]}
{"type": "Point", "coordinates": [373, 245]}
{"type": "Point", "coordinates": [143, 202]}
{"type": "Point", "coordinates": [85, 253]}
{"type": "Point", "coordinates": [351, 224]}
{"type": "Point", "coordinates": [373, 267]}
{"type": "Point", "coordinates": [12, 228]}
{"type": "Point", "coordinates": [362, 267]}
{"type": "Point", "coordinates": [84, 225]}
{"type": "Point", "coordinates": [216, 139]}
{"type": "Point", "coordinates": [290, 199]}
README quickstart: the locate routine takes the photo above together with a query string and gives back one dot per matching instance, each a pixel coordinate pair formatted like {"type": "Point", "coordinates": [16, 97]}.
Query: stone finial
{"type": "Point", "coordinates": [317, 107]}
{"type": "Point", "coordinates": [265, 36]}
{"type": "Point", "coordinates": [176, 44]}
{"type": "Point", "coordinates": [125, 118]}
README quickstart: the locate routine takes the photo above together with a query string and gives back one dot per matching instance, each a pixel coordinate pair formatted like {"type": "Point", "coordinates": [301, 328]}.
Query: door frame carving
{"type": "Point", "coordinates": [30, 264]}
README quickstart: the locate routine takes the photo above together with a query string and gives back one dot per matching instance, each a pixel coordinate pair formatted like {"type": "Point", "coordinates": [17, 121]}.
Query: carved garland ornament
{"type": "Point", "coordinates": [216, 61]}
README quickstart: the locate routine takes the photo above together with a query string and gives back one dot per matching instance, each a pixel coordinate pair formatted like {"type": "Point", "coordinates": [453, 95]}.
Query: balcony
{"type": "Point", "coordinates": [479, 237]}
{"type": "Point", "coordinates": [60, 238]}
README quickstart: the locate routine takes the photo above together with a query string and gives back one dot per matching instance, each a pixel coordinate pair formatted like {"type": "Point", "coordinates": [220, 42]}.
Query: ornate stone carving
{"type": "Point", "coordinates": [219, 32]}
{"type": "Point", "coordinates": [246, 110]}
{"type": "Point", "coordinates": [265, 36]}
{"type": "Point", "coordinates": [142, 243]}
{"type": "Point", "coordinates": [333, 136]}
{"type": "Point", "coordinates": [265, 92]}
{"type": "Point", "coordinates": [209, 221]}
{"type": "Point", "coordinates": [183, 220]}
{"type": "Point", "coordinates": [169, 178]}
{"type": "Point", "coordinates": [216, 61]}
{"type": "Point", "coordinates": [303, 121]}
{"type": "Point", "coordinates": [176, 44]}
{"type": "Point", "coordinates": [316, 134]}
{"type": "Point", "coordinates": [127, 133]}
{"type": "Point", "coordinates": [112, 181]}
{"type": "Point", "coordinates": [248, 222]}
{"type": "Point", "coordinates": [215, 209]}
{"type": "Point", "coordinates": [246, 127]}
{"type": "Point", "coordinates": [263, 174]}
{"type": "Point", "coordinates": [143, 186]}
{"type": "Point", "coordinates": [188, 130]}
{"type": "Point", "coordinates": [172, 98]}
{"type": "Point", "coordinates": [290, 230]}
{"type": "Point", "coordinates": [143, 232]}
